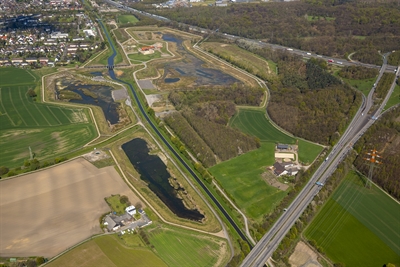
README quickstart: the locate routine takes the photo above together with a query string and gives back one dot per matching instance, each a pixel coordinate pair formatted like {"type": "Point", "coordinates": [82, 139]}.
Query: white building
{"type": "Point", "coordinates": [131, 210]}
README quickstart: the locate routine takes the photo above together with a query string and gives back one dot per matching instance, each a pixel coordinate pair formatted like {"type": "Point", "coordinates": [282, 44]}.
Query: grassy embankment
{"type": "Point", "coordinates": [358, 226]}
{"type": "Point", "coordinates": [47, 129]}
{"type": "Point", "coordinates": [246, 185]}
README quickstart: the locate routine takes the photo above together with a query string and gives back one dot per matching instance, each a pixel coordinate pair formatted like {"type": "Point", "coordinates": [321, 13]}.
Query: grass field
{"type": "Point", "coordinates": [127, 19]}
{"type": "Point", "coordinates": [394, 98]}
{"type": "Point", "coordinates": [108, 251]}
{"type": "Point", "coordinates": [178, 247]}
{"type": "Point", "coordinates": [44, 142]}
{"type": "Point", "coordinates": [141, 57]}
{"type": "Point", "coordinates": [48, 129]}
{"type": "Point", "coordinates": [251, 193]}
{"type": "Point", "coordinates": [12, 76]}
{"type": "Point", "coordinates": [358, 226]}
{"type": "Point", "coordinates": [254, 122]}
{"type": "Point", "coordinates": [363, 85]}
{"type": "Point", "coordinates": [308, 151]}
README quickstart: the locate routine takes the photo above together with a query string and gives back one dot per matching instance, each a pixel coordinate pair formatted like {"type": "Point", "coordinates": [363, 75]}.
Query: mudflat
{"type": "Point", "coordinates": [44, 213]}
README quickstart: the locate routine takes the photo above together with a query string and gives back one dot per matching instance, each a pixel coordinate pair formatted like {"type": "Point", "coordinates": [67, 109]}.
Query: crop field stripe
{"type": "Point", "coordinates": [38, 109]}
{"type": "Point", "coordinates": [34, 77]}
{"type": "Point", "coordinates": [54, 115]}
{"type": "Point", "coordinates": [338, 221]}
{"type": "Point", "coordinates": [16, 110]}
{"type": "Point", "coordinates": [5, 111]}
{"type": "Point", "coordinates": [26, 108]}
{"type": "Point", "coordinates": [387, 239]}
{"type": "Point", "coordinates": [65, 115]}
{"type": "Point", "coordinates": [17, 84]}
{"type": "Point", "coordinates": [57, 111]}
{"type": "Point", "coordinates": [337, 218]}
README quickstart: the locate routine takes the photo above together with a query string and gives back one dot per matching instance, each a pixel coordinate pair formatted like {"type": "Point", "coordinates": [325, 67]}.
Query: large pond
{"type": "Point", "coordinates": [154, 172]}
{"type": "Point", "coordinates": [98, 95]}
{"type": "Point", "coordinates": [191, 66]}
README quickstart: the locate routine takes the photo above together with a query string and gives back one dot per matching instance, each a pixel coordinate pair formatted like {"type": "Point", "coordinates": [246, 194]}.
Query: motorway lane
{"type": "Point", "coordinates": [267, 245]}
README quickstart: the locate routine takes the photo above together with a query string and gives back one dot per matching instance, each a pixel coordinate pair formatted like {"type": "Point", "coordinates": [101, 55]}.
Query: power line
{"type": "Point", "coordinates": [374, 158]}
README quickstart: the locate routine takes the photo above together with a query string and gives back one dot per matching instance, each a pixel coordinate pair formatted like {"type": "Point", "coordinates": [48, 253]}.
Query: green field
{"type": "Point", "coordinates": [127, 19]}
{"type": "Point", "coordinates": [358, 226]}
{"type": "Point", "coordinates": [394, 98]}
{"type": "Point", "coordinates": [142, 58]}
{"type": "Point", "coordinates": [44, 142]}
{"type": "Point", "coordinates": [48, 129]}
{"type": "Point", "coordinates": [108, 251]}
{"type": "Point", "coordinates": [308, 151]}
{"type": "Point", "coordinates": [241, 178]}
{"type": "Point", "coordinates": [254, 122]}
{"type": "Point", "coordinates": [364, 86]}
{"type": "Point", "coordinates": [12, 76]}
{"type": "Point", "coordinates": [178, 247]}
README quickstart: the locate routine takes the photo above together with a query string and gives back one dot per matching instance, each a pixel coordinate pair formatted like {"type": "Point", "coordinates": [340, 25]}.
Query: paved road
{"type": "Point", "coordinates": [361, 122]}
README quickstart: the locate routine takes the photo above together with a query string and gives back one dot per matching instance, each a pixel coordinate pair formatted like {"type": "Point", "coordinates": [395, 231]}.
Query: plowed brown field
{"type": "Point", "coordinates": [44, 213]}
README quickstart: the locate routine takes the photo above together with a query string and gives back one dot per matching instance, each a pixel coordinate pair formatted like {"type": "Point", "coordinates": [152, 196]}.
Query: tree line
{"type": "Point", "coordinates": [238, 93]}
{"type": "Point", "coordinates": [332, 30]}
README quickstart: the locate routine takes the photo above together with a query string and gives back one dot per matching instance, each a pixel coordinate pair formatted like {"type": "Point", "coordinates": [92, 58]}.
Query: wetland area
{"type": "Point", "coordinates": [99, 95]}
{"type": "Point", "coordinates": [192, 67]}
{"type": "Point", "coordinates": [154, 172]}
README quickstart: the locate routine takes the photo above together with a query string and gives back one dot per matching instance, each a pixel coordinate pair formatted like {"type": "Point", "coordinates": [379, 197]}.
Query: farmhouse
{"type": "Point", "coordinates": [285, 168]}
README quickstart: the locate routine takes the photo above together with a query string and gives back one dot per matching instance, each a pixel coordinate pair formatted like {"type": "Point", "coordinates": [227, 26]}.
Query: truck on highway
{"type": "Point", "coordinates": [327, 158]}
{"type": "Point", "coordinates": [319, 183]}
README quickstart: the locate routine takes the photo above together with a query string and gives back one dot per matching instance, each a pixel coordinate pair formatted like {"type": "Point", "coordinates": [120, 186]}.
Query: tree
{"type": "Point", "coordinates": [138, 205]}
{"type": "Point", "coordinates": [31, 93]}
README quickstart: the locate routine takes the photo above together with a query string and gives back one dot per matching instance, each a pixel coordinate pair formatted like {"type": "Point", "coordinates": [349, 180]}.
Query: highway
{"type": "Point", "coordinates": [363, 119]}
{"type": "Point", "coordinates": [360, 123]}
{"type": "Point", "coordinates": [305, 54]}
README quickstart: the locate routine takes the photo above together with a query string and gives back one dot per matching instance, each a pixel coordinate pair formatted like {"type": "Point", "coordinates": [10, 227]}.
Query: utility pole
{"type": "Point", "coordinates": [30, 152]}
{"type": "Point", "coordinates": [373, 158]}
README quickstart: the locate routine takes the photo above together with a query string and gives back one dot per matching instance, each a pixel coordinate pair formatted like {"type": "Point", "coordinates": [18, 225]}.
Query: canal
{"type": "Point", "coordinates": [143, 111]}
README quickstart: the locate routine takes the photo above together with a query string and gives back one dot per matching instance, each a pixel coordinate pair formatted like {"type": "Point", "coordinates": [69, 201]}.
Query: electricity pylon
{"type": "Point", "coordinates": [374, 159]}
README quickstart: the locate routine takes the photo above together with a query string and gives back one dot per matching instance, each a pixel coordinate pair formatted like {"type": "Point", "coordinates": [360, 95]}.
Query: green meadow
{"type": "Point", "coordinates": [394, 97]}
{"type": "Point", "coordinates": [127, 19]}
{"type": "Point", "coordinates": [178, 247]}
{"type": "Point", "coordinates": [110, 250]}
{"type": "Point", "coordinates": [358, 226]}
{"type": "Point", "coordinates": [241, 178]}
{"type": "Point", "coordinates": [48, 129]}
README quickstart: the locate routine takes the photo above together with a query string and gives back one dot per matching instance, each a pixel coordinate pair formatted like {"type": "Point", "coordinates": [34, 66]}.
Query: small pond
{"type": "Point", "coordinates": [98, 95]}
{"type": "Point", "coordinates": [171, 80]}
{"type": "Point", "coordinates": [154, 172]}
{"type": "Point", "coordinates": [192, 66]}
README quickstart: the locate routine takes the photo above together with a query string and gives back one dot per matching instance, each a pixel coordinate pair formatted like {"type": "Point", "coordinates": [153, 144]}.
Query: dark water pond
{"type": "Point", "coordinates": [103, 97]}
{"type": "Point", "coordinates": [153, 171]}
{"type": "Point", "coordinates": [171, 80]}
{"type": "Point", "coordinates": [191, 66]}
